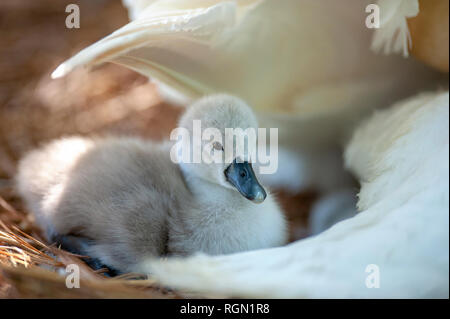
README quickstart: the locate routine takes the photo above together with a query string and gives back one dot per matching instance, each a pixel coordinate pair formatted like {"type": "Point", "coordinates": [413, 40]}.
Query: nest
{"type": "Point", "coordinates": [35, 109]}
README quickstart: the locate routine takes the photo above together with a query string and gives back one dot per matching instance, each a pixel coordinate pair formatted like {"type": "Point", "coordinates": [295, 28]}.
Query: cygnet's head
{"type": "Point", "coordinates": [222, 162]}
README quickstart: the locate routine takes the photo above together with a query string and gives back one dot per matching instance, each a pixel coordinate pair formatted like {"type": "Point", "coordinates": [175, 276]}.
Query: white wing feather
{"type": "Point", "coordinates": [393, 35]}
{"type": "Point", "coordinates": [287, 56]}
{"type": "Point", "coordinates": [135, 7]}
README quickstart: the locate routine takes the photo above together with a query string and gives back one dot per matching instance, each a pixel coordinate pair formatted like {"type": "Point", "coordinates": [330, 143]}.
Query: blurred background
{"type": "Point", "coordinates": [34, 108]}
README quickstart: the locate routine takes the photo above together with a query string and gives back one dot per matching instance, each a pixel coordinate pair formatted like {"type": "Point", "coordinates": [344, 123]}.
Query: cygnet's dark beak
{"type": "Point", "coordinates": [241, 176]}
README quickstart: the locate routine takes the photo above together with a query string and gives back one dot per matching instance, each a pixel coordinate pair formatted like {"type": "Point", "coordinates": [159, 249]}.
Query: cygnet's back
{"type": "Point", "coordinates": [118, 192]}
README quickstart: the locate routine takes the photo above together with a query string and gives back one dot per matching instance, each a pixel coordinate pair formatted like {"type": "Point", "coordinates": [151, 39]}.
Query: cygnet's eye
{"type": "Point", "coordinates": [217, 146]}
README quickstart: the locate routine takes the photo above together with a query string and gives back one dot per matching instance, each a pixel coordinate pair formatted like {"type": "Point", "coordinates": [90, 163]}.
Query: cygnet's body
{"type": "Point", "coordinates": [123, 200]}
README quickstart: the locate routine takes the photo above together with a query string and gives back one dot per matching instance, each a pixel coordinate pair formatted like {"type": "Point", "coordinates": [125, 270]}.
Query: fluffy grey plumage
{"type": "Point", "coordinates": [126, 201]}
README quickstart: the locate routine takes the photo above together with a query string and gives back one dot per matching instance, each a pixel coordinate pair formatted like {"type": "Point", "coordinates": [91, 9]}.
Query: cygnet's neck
{"type": "Point", "coordinates": [209, 193]}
